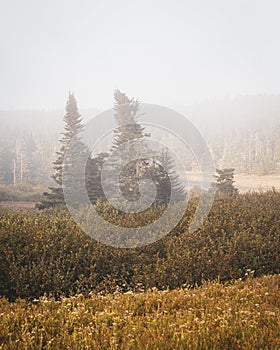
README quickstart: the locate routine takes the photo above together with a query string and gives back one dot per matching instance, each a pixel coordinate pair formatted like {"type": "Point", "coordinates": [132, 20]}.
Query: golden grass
{"type": "Point", "coordinates": [245, 182]}
{"type": "Point", "coordinates": [238, 315]}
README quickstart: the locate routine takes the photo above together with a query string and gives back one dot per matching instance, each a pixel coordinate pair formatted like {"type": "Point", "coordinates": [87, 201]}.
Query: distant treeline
{"type": "Point", "coordinates": [25, 159]}
{"type": "Point", "coordinates": [243, 133]}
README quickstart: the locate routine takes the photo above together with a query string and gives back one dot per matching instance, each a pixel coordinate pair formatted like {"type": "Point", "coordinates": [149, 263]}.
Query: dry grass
{"type": "Point", "coordinates": [247, 182]}
{"type": "Point", "coordinates": [21, 206]}
{"type": "Point", "coordinates": [240, 315]}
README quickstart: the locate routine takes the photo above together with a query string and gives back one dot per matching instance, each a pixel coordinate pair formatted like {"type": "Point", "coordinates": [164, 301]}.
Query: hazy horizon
{"type": "Point", "coordinates": [176, 106]}
{"type": "Point", "coordinates": [169, 53]}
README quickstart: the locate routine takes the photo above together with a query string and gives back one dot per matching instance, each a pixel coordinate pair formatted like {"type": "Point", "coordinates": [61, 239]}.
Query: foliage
{"type": "Point", "coordinates": [148, 163]}
{"type": "Point", "coordinates": [239, 315]}
{"type": "Point", "coordinates": [93, 177]}
{"type": "Point", "coordinates": [168, 164]}
{"type": "Point", "coordinates": [126, 117]}
{"type": "Point", "coordinates": [73, 126]}
{"type": "Point", "coordinates": [225, 182]}
{"type": "Point", "coordinates": [46, 253]}
{"type": "Point", "coordinates": [239, 138]}
{"type": "Point", "coordinates": [124, 146]}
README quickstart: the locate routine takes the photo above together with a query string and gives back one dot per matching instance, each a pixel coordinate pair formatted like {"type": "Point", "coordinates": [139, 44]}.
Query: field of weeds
{"type": "Point", "coordinates": [238, 315]}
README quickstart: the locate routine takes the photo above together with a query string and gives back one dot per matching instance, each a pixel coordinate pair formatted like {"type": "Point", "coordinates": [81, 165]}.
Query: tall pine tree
{"type": "Point", "coordinates": [73, 126]}
{"type": "Point", "coordinates": [128, 131]}
{"type": "Point", "coordinates": [128, 128]}
{"type": "Point", "coordinates": [135, 161]}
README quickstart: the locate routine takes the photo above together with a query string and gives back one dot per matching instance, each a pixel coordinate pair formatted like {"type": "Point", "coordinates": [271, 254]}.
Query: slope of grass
{"type": "Point", "coordinates": [238, 315]}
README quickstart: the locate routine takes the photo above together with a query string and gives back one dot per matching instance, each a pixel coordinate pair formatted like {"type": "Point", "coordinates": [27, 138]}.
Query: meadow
{"type": "Point", "coordinates": [237, 315]}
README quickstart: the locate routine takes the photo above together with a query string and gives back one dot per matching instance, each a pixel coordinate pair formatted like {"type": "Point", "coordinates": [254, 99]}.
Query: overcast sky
{"type": "Point", "coordinates": [172, 52]}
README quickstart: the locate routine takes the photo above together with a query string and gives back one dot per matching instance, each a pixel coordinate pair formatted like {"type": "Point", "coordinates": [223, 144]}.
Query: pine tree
{"type": "Point", "coordinates": [224, 183]}
{"type": "Point", "coordinates": [93, 178]}
{"type": "Point", "coordinates": [135, 162]}
{"type": "Point", "coordinates": [73, 126]}
{"type": "Point", "coordinates": [126, 117]}
{"type": "Point", "coordinates": [168, 179]}
{"type": "Point", "coordinates": [127, 132]}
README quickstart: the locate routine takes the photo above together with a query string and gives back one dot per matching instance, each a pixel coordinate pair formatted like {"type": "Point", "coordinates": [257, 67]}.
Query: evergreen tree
{"type": "Point", "coordinates": [126, 118]}
{"type": "Point", "coordinates": [168, 179]}
{"type": "Point", "coordinates": [73, 126]}
{"type": "Point", "coordinates": [93, 178]}
{"type": "Point", "coordinates": [128, 131]}
{"type": "Point", "coordinates": [224, 183]}
{"type": "Point", "coordinates": [130, 162]}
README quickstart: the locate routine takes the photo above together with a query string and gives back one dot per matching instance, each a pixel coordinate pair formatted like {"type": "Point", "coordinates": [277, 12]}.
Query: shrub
{"type": "Point", "coordinates": [46, 253]}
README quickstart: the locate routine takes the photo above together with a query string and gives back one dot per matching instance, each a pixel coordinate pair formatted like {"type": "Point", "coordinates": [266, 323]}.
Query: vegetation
{"type": "Point", "coordinates": [21, 192]}
{"type": "Point", "coordinates": [120, 159]}
{"type": "Point", "coordinates": [46, 253]}
{"type": "Point", "coordinates": [239, 315]}
{"type": "Point", "coordinates": [233, 128]}
{"type": "Point", "coordinates": [93, 177]}
{"type": "Point", "coordinates": [61, 289]}
{"type": "Point", "coordinates": [224, 183]}
{"type": "Point", "coordinates": [128, 128]}
{"type": "Point", "coordinates": [168, 173]}
{"type": "Point", "coordinates": [72, 128]}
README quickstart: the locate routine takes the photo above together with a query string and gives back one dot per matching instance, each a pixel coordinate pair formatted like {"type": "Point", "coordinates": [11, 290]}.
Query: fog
{"type": "Point", "coordinates": [216, 62]}
{"type": "Point", "coordinates": [173, 53]}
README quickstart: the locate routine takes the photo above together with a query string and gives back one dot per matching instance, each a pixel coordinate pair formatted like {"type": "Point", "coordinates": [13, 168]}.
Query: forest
{"type": "Point", "coordinates": [233, 128]}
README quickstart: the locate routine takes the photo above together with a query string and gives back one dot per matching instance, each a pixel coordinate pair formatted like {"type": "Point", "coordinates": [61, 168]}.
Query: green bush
{"type": "Point", "coordinates": [46, 253]}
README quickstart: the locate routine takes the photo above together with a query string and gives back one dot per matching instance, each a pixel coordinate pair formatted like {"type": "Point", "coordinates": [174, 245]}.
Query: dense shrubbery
{"type": "Point", "coordinates": [46, 253]}
{"type": "Point", "coordinates": [20, 192]}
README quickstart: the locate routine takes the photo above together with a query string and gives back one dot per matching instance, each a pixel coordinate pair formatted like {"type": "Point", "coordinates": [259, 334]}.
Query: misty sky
{"type": "Point", "coordinates": [165, 52]}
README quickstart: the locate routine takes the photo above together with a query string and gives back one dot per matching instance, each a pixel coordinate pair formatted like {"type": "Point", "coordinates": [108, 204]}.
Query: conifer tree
{"type": "Point", "coordinates": [73, 126]}
{"type": "Point", "coordinates": [128, 131]}
{"type": "Point", "coordinates": [126, 118]}
{"type": "Point", "coordinates": [129, 160]}
{"type": "Point", "coordinates": [168, 179]}
{"type": "Point", "coordinates": [93, 178]}
{"type": "Point", "coordinates": [224, 183]}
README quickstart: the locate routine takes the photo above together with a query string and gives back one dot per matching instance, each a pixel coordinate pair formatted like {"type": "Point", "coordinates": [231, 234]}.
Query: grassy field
{"type": "Point", "coordinates": [239, 315]}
